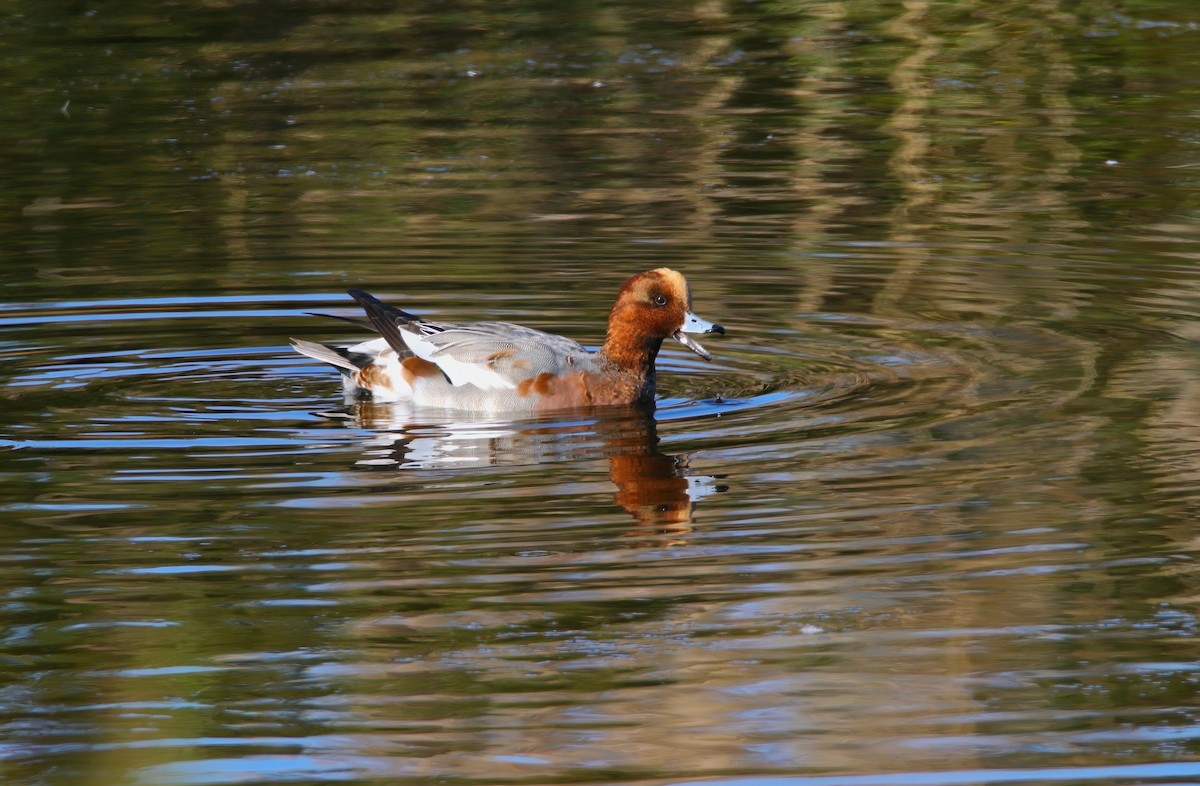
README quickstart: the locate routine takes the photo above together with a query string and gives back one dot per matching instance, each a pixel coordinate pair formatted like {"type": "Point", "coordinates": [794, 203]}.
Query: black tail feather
{"type": "Point", "coordinates": [385, 319]}
{"type": "Point", "coordinates": [359, 321]}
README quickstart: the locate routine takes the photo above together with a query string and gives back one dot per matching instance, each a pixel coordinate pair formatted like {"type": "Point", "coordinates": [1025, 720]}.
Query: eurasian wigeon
{"type": "Point", "coordinates": [502, 367]}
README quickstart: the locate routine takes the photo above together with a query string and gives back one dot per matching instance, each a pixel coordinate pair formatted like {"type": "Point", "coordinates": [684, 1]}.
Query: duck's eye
{"type": "Point", "coordinates": [660, 300]}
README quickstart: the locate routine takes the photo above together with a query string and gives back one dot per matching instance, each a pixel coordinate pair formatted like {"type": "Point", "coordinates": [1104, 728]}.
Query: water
{"type": "Point", "coordinates": [927, 517]}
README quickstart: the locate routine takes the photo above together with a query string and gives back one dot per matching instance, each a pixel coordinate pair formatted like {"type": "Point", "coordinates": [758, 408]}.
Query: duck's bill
{"type": "Point", "coordinates": [694, 324]}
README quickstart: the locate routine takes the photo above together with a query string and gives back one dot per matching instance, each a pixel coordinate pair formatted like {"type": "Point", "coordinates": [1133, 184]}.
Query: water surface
{"type": "Point", "coordinates": [927, 517]}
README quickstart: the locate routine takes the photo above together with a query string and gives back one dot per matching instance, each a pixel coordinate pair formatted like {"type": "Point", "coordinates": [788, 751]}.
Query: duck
{"type": "Point", "coordinates": [498, 367]}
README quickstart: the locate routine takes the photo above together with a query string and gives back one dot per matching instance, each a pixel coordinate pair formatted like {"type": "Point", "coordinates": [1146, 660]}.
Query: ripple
{"type": "Point", "coordinates": [1136, 773]}
{"type": "Point", "coordinates": [802, 537]}
{"type": "Point", "coordinates": [838, 371]}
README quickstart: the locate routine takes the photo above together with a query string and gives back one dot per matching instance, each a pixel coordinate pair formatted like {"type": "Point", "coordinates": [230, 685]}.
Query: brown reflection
{"type": "Point", "coordinates": [651, 489]}
{"type": "Point", "coordinates": [655, 488]}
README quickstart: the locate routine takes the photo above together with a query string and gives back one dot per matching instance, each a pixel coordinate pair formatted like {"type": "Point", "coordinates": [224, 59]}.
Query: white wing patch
{"type": "Point", "coordinates": [458, 372]}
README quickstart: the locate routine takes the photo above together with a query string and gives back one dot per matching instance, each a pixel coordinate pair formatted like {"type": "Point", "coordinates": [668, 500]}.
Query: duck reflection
{"type": "Point", "coordinates": [657, 489]}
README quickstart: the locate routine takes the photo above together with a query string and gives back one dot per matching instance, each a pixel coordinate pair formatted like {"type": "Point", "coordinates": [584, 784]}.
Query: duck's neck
{"type": "Point", "coordinates": [631, 354]}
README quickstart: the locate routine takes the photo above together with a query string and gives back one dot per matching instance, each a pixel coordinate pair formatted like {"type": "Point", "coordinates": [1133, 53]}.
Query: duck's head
{"type": "Point", "coordinates": [656, 305]}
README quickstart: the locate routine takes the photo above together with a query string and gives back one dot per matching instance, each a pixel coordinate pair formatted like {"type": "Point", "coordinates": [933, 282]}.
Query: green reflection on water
{"type": "Point", "coordinates": [977, 555]}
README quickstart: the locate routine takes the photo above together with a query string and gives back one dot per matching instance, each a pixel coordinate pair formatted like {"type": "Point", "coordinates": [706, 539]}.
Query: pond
{"type": "Point", "coordinates": [928, 516]}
